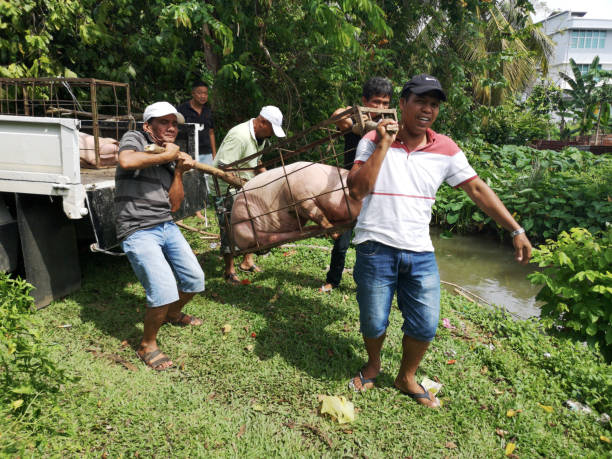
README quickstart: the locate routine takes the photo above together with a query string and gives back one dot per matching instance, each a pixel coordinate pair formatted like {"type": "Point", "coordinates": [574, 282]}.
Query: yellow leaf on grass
{"type": "Point", "coordinates": [604, 439]}
{"type": "Point", "coordinates": [338, 408]}
{"type": "Point", "coordinates": [16, 404]}
{"type": "Point", "coordinates": [226, 328]}
{"type": "Point", "coordinates": [257, 407]}
{"type": "Point", "coordinates": [511, 413]}
{"type": "Point", "coordinates": [510, 447]}
{"type": "Point", "coordinates": [548, 409]}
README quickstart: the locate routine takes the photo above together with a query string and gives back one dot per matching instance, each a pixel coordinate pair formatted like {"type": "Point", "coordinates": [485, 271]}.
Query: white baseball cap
{"type": "Point", "coordinates": [161, 109]}
{"type": "Point", "coordinates": [275, 117]}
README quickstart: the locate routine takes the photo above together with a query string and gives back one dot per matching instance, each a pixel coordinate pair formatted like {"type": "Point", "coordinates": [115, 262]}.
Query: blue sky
{"type": "Point", "coordinates": [595, 9]}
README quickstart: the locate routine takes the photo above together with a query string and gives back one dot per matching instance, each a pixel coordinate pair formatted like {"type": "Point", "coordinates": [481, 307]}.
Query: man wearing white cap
{"type": "Point", "coordinates": [148, 188]}
{"type": "Point", "coordinates": [241, 141]}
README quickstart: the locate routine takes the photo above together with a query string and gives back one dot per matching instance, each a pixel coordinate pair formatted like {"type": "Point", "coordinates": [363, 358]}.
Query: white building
{"type": "Point", "coordinates": [578, 38]}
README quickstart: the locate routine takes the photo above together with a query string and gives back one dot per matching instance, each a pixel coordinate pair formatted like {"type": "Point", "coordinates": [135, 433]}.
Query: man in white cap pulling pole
{"type": "Point", "coordinates": [241, 141]}
{"type": "Point", "coordinates": [148, 188]}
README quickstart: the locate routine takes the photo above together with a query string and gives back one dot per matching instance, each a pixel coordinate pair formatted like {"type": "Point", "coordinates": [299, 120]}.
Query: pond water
{"type": "Point", "coordinates": [486, 267]}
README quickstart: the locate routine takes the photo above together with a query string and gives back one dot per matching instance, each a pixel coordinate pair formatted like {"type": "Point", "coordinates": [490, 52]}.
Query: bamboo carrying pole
{"type": "Point", "coordinates": [226, 177]}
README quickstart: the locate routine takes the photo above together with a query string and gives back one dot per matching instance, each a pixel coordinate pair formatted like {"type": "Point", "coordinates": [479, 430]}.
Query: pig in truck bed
{"type": "Point", "coordinates": [50, 202]}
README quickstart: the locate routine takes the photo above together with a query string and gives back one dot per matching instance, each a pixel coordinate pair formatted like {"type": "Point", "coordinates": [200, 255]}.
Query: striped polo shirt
{"type": "Point", "coordinates": [141, 195]}
{"type": "Point", "coordinates": [398, 211]}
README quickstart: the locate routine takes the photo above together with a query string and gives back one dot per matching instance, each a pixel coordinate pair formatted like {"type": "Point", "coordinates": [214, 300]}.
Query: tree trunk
{"type": "Point", "coordinates": [212, 59]}
{"type": "Point", "coordinates": [597, 129]}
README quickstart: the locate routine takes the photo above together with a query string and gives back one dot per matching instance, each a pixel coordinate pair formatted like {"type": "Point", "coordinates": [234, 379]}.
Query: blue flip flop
{"type": "Point", "coordinates": [419, 395]}
{"type": "Point", "coordinates": [364, 381]}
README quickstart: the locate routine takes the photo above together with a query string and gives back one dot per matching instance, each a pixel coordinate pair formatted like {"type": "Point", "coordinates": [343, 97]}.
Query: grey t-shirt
{"type": "Point", "coordinates": [141, 195]}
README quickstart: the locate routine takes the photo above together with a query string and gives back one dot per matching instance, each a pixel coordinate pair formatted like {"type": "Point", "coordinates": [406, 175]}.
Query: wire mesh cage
{"type": "Point", "coordinates": [303, 192]}
{"type": "Point", "coordinates": [102, 106]}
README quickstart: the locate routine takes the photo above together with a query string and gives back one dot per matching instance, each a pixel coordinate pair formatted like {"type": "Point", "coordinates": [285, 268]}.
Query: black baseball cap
{"type": "Point", "coordinates": [420, 84]}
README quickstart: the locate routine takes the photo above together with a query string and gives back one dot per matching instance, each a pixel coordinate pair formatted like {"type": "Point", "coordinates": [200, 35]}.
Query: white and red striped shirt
{"type": "Point", "coordinates": [398, 211]}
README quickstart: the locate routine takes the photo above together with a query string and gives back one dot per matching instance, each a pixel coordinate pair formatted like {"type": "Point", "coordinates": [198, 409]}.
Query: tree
{"type": "Point", "coordinates": [504, 30]}
{"type": "Point", "coordinates": [588, 95]}
{"type": "Point", "coordinates": [306, 56]}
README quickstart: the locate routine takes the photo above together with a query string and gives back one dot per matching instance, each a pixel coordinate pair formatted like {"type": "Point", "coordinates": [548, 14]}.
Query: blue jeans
{"type": "Point", "coordinates": [338, 256]}
{"type": "Point", "coordinates": [379, 272]}
{"type": "Point", "coordinates": [160, 257]}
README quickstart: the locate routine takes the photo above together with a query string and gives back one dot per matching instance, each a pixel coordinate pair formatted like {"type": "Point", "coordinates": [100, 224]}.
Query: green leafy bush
{"type": "Point", "coordinates": [577, 286]}
{"type": "Point", "coordinates": [546, 191]}
{"type": "Point", "coordinates": [514, 123]}
{"type": "Point", "coordinates": [26, 371]}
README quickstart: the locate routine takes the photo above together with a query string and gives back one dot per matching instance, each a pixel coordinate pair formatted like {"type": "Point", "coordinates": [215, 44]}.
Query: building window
{"type": "Point", "coordinates": [584, 68]}
{"type": "Point", "coordinates": [588, 39]}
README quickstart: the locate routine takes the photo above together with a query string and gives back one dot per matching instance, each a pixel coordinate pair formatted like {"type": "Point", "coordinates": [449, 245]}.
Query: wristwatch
{"type": "Point", "coordinates": [516, 232]}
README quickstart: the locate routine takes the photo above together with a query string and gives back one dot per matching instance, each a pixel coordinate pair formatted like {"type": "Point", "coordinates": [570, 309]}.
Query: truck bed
{"type": "Point", "coordinates": [95, 178]}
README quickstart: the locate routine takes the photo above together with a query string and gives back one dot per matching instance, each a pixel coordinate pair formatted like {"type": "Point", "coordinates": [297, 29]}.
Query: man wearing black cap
{"type": "Point", "coordinates": [397, 176]}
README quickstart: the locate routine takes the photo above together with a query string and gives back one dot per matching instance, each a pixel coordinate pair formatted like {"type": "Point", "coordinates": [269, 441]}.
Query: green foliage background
{"type": "Point", "coordinates": [547, 191]}
{"type": "Point", "coordinates": [306, 56]}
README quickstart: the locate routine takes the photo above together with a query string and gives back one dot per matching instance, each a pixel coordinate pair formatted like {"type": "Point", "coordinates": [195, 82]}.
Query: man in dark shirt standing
{"type": "Point", "coordinates": [376, 93]}
{"type": "Point", "coordinates": [197, 110]}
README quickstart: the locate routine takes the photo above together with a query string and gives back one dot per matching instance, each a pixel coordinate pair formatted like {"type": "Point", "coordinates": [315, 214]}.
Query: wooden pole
{"type": "Point", "coordinates": [225, 176]}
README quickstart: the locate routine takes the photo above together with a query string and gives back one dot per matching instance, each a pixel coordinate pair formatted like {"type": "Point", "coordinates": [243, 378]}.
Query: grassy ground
{"type": "Point", "coordinates": [253, 391]}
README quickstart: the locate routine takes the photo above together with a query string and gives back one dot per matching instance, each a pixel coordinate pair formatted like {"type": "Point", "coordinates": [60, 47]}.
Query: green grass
{"type": "Point", "coordinates": [227, 400]}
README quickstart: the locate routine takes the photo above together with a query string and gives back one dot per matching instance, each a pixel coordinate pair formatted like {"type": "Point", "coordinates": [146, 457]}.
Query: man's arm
{"type": "Point", "coordinates": [213, 144]}
{"type": "Point", "coordinates": [486, 199]}
{"type": "Point", "coordinates": [259, 169]}
{"type": "Point", "coordinates": [362, 178]}
{"type": "Point", "coordinates": [131, 159]}
{"type": "Point", "coordinates": [344, 124]}
{"type": "Point", "coordinates": [176, 193]}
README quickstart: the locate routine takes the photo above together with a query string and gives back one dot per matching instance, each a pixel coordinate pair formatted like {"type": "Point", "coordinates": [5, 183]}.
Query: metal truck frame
{"type": "Point", "coordinates": [48, 200]}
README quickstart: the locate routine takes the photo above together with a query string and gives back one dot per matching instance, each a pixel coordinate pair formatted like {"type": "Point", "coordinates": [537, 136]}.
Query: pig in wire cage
{"type": "Point", "coordinates": [103, 108]}
{"type": "Point", "coordinates": [303, 192]}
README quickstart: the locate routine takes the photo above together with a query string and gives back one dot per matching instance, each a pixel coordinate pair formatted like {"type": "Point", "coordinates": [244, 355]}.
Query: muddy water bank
{"type": "Point", "coordinates": [486, 267]}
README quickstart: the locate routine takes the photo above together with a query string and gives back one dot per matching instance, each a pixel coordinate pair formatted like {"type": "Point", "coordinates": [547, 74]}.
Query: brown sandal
{"type": "Point", "coordinates": [154, 359]}
{"type": "Point", "coordinates": [231, 278]}
{"type": "Point", "coordinates": [184, 320]}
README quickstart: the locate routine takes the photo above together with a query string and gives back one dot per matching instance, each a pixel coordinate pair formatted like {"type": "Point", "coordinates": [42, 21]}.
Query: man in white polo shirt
{"type": "Point", "coordinates": [242, 141]}
{"type": "Point", "coordinates": [397, 176]}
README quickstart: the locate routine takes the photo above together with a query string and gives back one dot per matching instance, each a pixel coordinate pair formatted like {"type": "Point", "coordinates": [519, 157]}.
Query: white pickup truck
{"type": "Point", "coordinates": [48, 202]}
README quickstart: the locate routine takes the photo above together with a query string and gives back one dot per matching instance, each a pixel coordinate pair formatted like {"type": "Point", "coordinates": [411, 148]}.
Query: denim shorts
{"type": "Point", "coordinates": [379, 272]}
{"type": "Point", "coordinates": [160, 257]}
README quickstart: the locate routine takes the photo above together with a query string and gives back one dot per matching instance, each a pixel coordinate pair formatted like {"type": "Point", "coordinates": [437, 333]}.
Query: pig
{"type": "Point", "coordinates": [316, 191]}
{"type": "Point", "coordinates": [109, 149]}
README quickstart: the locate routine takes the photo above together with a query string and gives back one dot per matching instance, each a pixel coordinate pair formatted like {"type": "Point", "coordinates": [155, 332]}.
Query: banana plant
{"type": "Point", "coordinates": [585, 94]}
